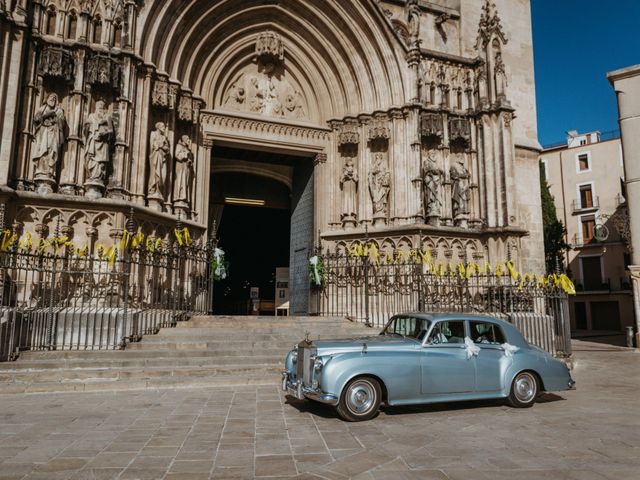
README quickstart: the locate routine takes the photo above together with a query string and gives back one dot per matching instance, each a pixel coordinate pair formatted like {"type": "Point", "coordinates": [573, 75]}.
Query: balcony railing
{"type": "Point", "coordinates": [579, 207]}
{"type": "Point", "coordinates": [624, 285]}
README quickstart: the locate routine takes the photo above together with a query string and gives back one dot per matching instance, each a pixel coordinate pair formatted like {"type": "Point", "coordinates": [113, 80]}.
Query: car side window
{"type": "Point", "coordinates": [486, 333]}
{"type": "Point", "coordinates": [447, 332]}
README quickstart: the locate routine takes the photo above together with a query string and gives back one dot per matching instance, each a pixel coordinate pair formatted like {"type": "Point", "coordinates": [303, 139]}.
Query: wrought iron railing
{"type": "Point", "coordinates": [60, 299]}
{"type": "Point", "coordinates": [370, 292]}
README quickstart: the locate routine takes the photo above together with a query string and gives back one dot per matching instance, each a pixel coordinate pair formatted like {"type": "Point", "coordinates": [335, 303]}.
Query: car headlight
{"type": "Point", "coordinates": [294, 356]}
{"type": "Point", "coordinates": [318, 364]}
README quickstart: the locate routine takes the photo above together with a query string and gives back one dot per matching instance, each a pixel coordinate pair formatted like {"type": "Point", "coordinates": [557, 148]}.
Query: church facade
{"type": "Point", "coordinates": [407, 122]}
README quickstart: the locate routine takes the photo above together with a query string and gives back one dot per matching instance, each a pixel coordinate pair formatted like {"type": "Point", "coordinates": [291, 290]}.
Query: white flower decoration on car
{"type": "Point", "coordinates": [471, 348]}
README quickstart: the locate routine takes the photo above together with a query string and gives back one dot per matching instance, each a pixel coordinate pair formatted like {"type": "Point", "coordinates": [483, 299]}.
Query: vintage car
{"type": "Point", "coordinates": [423, 358]}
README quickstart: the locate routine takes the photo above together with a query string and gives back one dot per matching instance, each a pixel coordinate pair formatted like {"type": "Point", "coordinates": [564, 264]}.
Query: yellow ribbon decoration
{"type": "Point", "coordinates": [425, 256]}
{"type": "Point", "coordinates": [137, 240]}
{"type": "Point", "coordinates": [183, 236]}
{"type": "Point", "coordinates": [512, 270]}
{"type": "Point", "coordinates": [7, 240]}
{"type": "Point", "coordinates": [26, 243]}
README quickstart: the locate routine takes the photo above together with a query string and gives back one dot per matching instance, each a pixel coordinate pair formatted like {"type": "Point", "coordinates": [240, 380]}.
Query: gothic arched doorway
{"type": "Point", "coordinates": [262, 204]}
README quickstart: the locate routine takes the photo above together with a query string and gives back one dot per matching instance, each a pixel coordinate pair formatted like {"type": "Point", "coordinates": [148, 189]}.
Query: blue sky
{"type": "Point", "coordinates": [576, 43]}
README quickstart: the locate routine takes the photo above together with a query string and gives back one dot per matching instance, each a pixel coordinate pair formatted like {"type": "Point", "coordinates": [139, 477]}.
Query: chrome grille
{"type": "Point", "coordinates": [306, 354]}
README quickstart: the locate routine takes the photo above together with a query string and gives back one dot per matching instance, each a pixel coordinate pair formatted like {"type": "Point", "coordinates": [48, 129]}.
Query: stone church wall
{"type": "Point", "coordinates": [419, 117]}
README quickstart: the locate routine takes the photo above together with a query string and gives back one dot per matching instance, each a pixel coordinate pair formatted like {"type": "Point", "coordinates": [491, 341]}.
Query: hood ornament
{"type": "Point", "coordinates": [364, 348]}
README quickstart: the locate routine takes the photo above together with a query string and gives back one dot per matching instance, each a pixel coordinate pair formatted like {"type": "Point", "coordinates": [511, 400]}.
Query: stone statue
{"type": "Point", "coordinates": [461, 189]}
{"type": "Point", "coordinates": [159, 148]}
{"type": "Point", "coordinates": [501, 77]}
{"type": "Point", "coordinates": [183, 177]}
{"type": "Point", "coordinates": [413, 23]}
{"type": "Point", "coordinates": [432, 180]}
{"type": "Point", "coordinates": [49, 135]}
{"type": "Point", "coordinates": [98, 135]}
{"type": "Point", "coordinates": [379, 187]}
{"type": "Point", "coordinates": [349, 186]}
{"type": "Point", "coordinates": [265, 98]}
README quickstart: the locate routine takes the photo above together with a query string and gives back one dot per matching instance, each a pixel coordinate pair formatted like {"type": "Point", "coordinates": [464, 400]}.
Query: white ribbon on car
{"type": "Point", "coordinates": [509, 350]}
{"type": "Point", "coordinates": [220, 272]}
{"type": "Point", "coordinates": [313, 261]}
{"type": "Point", "coordinates": [471, 348]}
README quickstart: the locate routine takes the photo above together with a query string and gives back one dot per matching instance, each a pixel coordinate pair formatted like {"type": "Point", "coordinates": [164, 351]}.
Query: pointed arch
{"type": "Point", "coordinates": [358, 65]}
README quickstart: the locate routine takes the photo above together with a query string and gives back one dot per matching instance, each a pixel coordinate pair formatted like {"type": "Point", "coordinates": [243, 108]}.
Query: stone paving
{"type": "Point", "coordinates": [257, 432]}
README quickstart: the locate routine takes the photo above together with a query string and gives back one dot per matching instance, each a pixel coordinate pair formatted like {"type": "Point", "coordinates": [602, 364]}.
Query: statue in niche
{"type": "Point", "coordinates": [265, 93]}
{"type": "Point", "coordinates": [184, 169]}
{"type": "Point", "coordinates": [98, 135]}
{"type": "Point", "coordinates": [432, 180]}
{"type": "Point", "coordinates": [501, 77]}
{"type": "Point", "coordinates": [49, 135]}
{"type": "Point", "coordinates": [349, 186]}
{"type": "Point", "coordinates": [461, 189]}
{"type": "Point", "coordinates": [413, 23]}
{"type": "Point", "coordinates": [379, 186]}
{"type": "Point", "coordinates": [160, 149]}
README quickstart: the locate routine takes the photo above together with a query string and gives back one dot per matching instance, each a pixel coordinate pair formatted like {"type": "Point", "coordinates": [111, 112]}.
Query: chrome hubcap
{"type": "Point", "coordinates": [361, 397]}
{"type": "Point", "coordinates": [525, 388]}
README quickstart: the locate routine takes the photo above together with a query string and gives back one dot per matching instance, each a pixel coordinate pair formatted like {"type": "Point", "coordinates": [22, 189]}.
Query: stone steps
{"type": "Point", "coordinates": [204, 351]}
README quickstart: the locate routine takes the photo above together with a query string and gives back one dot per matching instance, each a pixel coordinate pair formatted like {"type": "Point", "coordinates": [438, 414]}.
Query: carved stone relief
{"type": "Point", "coordinates": [164, 94]}
{"type": "Point", "coordinates": [103, 70]}
{"type": "Point", "coordinates": [99, 133]}
{"type": "Point", "coordinates": [265, 92]}
{"type": "Point", "coordinates": [57, 63]}
{"type": "Point", "coordinates": [265, 88]}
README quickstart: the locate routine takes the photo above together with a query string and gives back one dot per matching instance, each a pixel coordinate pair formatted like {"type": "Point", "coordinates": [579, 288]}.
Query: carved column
{"type": "Point", "coordinates": [350, 150]}
{"type": "Point", "coordinates": [72, 167]}
{"type": "Point", "coordinates": [138, 181]}
{"type": "Point", "coordinates": [322, 190]}
{"type": "Point", "coordinates": [413, 60]}
{"type": "Point", "coordinates": [121, 162]}
{"type": "Point", "coordinates": [510, 203]}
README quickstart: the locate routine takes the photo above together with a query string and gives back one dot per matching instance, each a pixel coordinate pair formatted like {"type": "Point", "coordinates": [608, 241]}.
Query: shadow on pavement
{"type": "Point", "coordinates": [326, 411]}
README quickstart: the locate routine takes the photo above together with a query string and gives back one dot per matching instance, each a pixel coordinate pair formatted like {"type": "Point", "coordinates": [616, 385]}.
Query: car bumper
{"type": "Point", "coordinates": [296, 389]}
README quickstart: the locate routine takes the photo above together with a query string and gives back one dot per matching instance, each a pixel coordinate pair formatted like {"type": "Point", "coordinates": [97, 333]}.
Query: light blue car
{"type": "Point", "coordinates": [423, 358]}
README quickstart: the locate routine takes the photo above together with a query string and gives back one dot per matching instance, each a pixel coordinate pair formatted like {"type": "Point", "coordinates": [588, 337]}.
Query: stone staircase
{"type": "Point", "coordinates": [201, 352]}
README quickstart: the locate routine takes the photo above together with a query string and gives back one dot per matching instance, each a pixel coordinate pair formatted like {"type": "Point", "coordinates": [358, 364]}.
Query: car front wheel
{"type": "Point", "coordinates": [360, 400]}
{"type": "Point", "coordinates": [524, 390]}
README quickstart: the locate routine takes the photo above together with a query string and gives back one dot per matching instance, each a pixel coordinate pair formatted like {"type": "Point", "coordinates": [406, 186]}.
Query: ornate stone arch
{"type": "Point", "coordinates": [347, 63]}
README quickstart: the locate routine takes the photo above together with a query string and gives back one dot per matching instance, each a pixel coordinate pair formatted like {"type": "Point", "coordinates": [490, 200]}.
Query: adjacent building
{"type": "Point", "coordinates": [587, 180]}
{"type": "Point", "coordinates": [626, 83]}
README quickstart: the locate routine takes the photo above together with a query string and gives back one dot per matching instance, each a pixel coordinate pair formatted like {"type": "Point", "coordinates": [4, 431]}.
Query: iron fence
{"type": "Point", "coordinates": [60, 299]}
{"type": "Point", "coordinates": [370, 292]}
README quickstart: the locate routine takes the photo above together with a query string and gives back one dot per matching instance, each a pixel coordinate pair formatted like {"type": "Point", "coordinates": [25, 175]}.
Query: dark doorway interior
{"type": "Point", "coordinates": [256, 241]}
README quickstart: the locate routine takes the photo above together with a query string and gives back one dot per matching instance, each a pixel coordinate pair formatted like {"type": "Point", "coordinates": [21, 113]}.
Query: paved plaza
{"type": "Point", "coordinates": [256, 432]}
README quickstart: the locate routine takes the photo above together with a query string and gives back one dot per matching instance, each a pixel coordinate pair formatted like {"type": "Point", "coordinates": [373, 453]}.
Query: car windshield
{"type": "Point", "coordinates": [407, 326]}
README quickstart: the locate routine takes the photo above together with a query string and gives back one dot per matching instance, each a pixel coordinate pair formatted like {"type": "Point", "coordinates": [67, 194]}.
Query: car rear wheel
{"type": "Point", "coordinates": [524, 390]}
{"type": "Point", "coordinates": [360, 400]}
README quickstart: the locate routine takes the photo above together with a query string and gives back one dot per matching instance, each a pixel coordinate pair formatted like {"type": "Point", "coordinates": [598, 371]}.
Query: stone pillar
{"type": "Point", "coordinates": [10, 80]}
{"type": "Point", "coordinates": [137, 185]}
{"type": "Point", "coordinates": [626, 83]}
